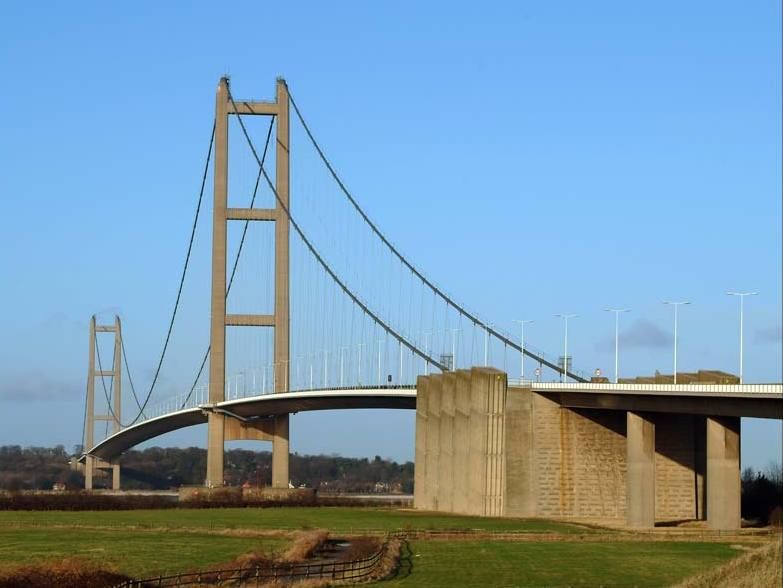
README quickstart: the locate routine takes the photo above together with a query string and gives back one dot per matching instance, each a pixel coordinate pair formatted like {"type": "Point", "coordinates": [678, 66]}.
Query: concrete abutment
{"type": "Point", "coordinates": [485, 449]}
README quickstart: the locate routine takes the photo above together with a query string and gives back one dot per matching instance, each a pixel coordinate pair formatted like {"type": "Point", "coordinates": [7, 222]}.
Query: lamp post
{"type": "Point", "coordinates": [676, 306]}
{"type": "Point", "coordinates": [741, 296]}
{"type": "Point", "coordinates": [522, 324]}
{"type": "Point", "coordinates": [616, 312]}
{"type": "Point", "coordinates": [565, 318]}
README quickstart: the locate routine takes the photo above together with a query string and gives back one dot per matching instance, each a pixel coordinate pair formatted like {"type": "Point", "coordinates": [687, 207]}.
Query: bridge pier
{"type": "Point", "coordinates": [215, 443]}
{"type": "Point", "coordinates": [723, 472]}
{"type": "Point", "coordinates": [517, 452]}
{"type": "Point", "coordinates": [280, 452]}
{"type": "Point", "coordinates": [640, 470]}
{"type": "Point", "coordinates": [89, 468]}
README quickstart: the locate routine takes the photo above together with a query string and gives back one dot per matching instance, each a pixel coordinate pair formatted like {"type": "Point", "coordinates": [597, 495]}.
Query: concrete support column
{"type": "Point", "coordinates": [640, 470]}
{"type": "Point", "coordinates": [115, 476]}
{"type": "Point", "coordinates": [280, 453]}
{"type": "Point", "coordinates": [520, 493]}
{"type": "Point", "coordinates": [723, 472]}
{"type": "Point", "coordinates": [89, 432]}
{"type": "Point", "coordinates": [280, 449]}
{"type": "Point", "coordinates": [215, 440]}
{"type": "Point", "coordinates": [217, 354]}
{"type": "Point", "coordinates": [89, 469]}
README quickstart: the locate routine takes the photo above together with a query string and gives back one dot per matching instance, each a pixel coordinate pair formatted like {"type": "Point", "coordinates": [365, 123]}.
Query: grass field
{"type": "Point", "coordinates": [146, 543]}
{"type": "Point", "coordinates": [339, 519]}
{"type": "Point", "coordinates": [138, 553]}
{"type": "Point", "coordinates": [499, 563]}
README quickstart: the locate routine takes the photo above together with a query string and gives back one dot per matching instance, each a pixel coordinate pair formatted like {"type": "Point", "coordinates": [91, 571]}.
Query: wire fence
{"type": "Point", "coordinates": [352, 570]}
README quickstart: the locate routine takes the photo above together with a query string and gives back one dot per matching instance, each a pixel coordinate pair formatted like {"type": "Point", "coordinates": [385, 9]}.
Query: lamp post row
{"type": "Point", "coordinates": [617, 312]}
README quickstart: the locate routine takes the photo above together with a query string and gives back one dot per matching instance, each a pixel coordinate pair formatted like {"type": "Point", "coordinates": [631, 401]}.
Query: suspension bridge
{"type": "Point", "coordinates": [312, 307]}
{"type": "Point", "coordinates": [333, 303]}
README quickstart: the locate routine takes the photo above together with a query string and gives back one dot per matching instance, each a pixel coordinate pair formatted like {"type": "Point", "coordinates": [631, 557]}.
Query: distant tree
{"type": "Point", "coordinates": [171, 467]}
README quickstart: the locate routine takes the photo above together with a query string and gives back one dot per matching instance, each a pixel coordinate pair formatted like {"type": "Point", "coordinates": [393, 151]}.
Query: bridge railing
{"type": "Point", "coordinates": [694, 387]}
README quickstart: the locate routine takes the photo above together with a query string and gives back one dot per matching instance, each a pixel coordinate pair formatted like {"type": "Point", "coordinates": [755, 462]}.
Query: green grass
{"type": "Point", "coordinates": [498, 563]}
{"type": "Point", "coordinates": [144, 543]}
{"type": "Point", "coordinates": [138, 553]}
{"type": "Point", "coordinates": [338, 519]}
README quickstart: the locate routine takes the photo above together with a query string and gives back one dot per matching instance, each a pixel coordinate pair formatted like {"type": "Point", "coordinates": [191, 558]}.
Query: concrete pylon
{"type": "Point", "coordinates": [114, 410]}
{"type": "Point", "coordinates": [723, 473]}
{"type": "Point", "coordinates": [279, 320]}
{"type": "Point", "coordinates": [640, 472]}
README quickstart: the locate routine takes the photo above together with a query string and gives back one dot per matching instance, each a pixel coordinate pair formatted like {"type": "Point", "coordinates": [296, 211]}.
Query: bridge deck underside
{"type": "Point", "coordinates": [258, 407]}
{"type": "Point", "coordinates": [765, 407]}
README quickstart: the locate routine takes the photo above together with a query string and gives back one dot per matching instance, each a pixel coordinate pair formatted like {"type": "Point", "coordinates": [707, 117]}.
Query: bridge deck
{"type": "Point", "coordinates": [743, 400]}
{"type": "Point", "coordinates": [750, 400]}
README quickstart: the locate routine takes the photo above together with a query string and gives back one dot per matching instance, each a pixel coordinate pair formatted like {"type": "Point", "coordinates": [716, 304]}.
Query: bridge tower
{"type": "Point", "coordinates": [91, 463]}
{"type": "Point", "coordinates": [221, 425]}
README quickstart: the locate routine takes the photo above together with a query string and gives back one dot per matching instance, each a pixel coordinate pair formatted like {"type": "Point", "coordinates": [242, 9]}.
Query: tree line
{"type": "Point", "coordinates": [161, 468]}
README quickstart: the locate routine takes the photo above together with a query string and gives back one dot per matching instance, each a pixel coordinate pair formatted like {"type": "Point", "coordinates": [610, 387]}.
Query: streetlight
{"type": "Point", "coordinates": [676, 306]}
{"type": "Point", "coordinates": [522, 324]}
{"type": "Point", "coordinates": [616, 312]}
{"type": "Point", "coordinates": [565, 318]}
{"type": "Point", "coordinates": [741, 296]}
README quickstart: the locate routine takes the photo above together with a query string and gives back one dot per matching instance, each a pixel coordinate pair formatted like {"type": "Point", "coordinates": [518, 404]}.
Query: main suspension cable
{"type": "Point", "coordinates": [128, 371]}
{"type": "Point", "coordinates": [182, 278]}
{"type": "Point", "coordinates": [476, 321]}
{"type": "Point", "coordinates": [318, 257]}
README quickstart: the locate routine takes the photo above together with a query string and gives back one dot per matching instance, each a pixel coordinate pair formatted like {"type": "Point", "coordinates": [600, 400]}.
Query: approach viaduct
{"type": "Point", "coordinates": [639, 452]}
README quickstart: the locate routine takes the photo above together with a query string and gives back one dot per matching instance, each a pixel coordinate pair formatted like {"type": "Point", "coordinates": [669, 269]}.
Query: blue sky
{"type": "Point", "coordinates": [577, 155]}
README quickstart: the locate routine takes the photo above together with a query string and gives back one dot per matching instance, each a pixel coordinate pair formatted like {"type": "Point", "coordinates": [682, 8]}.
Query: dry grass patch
{"type": "Point", "coordinates": [75, 573]}
{"type": "Point", "coordinates": [760, 568]}
{"type": "Point", "coordinates": [305, 544]}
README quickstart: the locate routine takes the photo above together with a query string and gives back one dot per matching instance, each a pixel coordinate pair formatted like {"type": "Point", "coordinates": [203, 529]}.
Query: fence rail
{"type": "Point", "coordinates": [355, 570]}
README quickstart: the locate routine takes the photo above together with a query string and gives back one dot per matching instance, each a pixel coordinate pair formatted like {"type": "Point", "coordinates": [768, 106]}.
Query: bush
{"type": "Point", "coordinates": [762, 494]}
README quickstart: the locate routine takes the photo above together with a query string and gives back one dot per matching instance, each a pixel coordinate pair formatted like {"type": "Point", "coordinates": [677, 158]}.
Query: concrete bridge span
{"type": "Point", "coordinates": [254, 411]}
